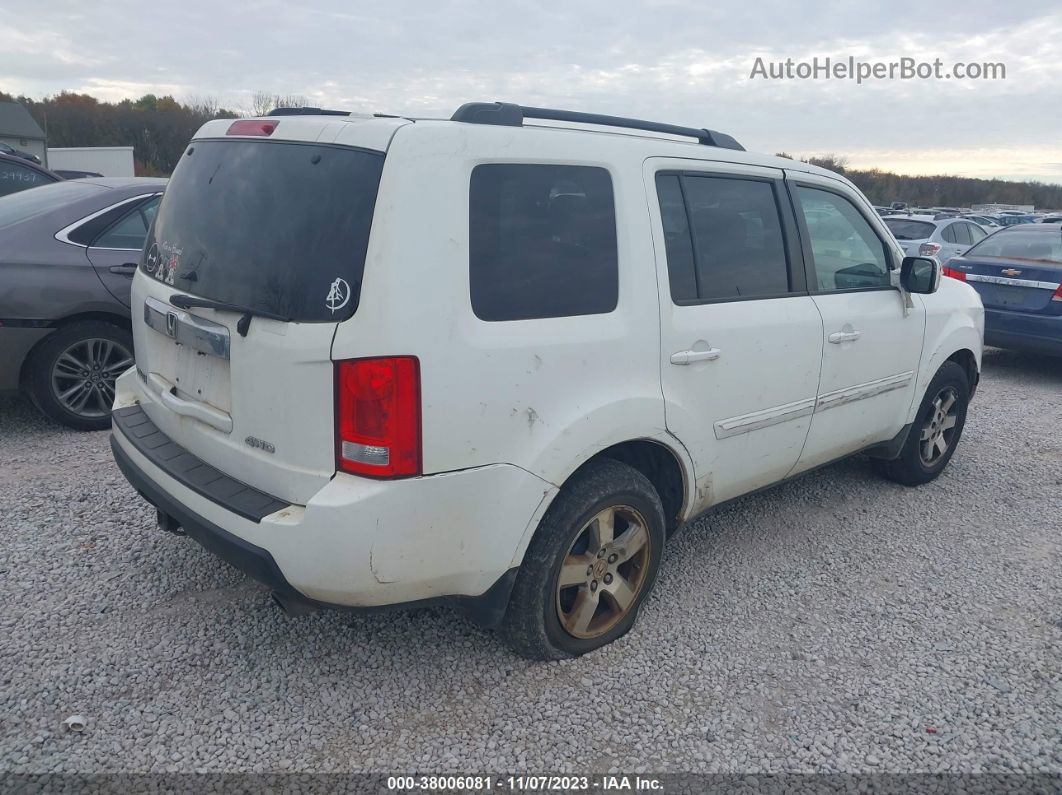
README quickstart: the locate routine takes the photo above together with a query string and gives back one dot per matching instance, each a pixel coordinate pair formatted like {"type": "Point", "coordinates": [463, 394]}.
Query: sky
{"type": "Point", "coordinates": [669, 60]}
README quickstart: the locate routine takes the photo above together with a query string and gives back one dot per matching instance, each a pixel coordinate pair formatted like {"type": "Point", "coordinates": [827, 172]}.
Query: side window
{"type": "Point", "coordinates": [542, 241]}
{"type": "Point", "coordinates": [723, 238]}
{"type": "Point", "coordinates": [130, 230]}
{"type": "Point", "coordinates": [847, 253]}
{"type": "Point", "coordinates": [15, 177]}
{"type": "Point", "coordinates": [950, 234]}
{"type": "Point", "coordinates": [976, 233]}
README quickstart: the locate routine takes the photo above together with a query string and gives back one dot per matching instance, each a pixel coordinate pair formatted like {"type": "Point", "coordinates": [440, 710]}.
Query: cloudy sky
{"type": "Point", "coordinates": [671, 60]}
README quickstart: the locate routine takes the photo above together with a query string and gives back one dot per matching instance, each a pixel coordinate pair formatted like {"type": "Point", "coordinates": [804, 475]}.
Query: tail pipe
{"type": "Point", "coordinates": [293, 606]}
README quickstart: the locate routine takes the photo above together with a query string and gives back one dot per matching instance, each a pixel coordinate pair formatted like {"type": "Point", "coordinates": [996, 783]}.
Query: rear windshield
{"type": "Point", "coordinates": [904, 229]}
{"type": "Point", "coordinates": [274, 226]}
{"type": "Point", "coordinates": [1021, 243]}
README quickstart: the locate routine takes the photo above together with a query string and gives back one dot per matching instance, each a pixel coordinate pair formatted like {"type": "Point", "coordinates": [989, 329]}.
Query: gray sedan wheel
{"type": "Point", "coordinates": [71, 376]}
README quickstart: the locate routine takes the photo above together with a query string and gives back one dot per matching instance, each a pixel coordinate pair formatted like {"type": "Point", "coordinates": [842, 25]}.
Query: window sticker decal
{"type": "Point", "coordinates": [338, 295]}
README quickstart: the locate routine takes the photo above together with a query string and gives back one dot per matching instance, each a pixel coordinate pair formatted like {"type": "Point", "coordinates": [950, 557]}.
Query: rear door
{"type": "Point", "coordinates": [116, 251]}
{"type": "Point", "coordinates": [870, 345]}
{"type": "Point", "coordinates": [955, 239]}
{"type": "Point", "coordinates": [910, 233]}
{"type": "Point", "coordinates": [740, 338]}
{"type": "Point", "coordinates": [279, 227]}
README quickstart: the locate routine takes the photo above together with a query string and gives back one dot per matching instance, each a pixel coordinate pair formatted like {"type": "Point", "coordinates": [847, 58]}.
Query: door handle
{"type": "Point", "coordinates": [125, 270]}
{"type": "Point", "coordinates": [844, 336]}
{"type": "Point", "coordinates": [687, 357]}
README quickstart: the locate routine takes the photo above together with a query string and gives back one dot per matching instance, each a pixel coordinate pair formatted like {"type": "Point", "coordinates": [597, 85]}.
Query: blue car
{"type": "Point", "coordinates": [1018, 273]}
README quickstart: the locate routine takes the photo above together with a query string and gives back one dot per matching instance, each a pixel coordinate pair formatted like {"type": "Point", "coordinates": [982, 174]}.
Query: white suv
{"type": "Point", "coordinates": [496, 361]}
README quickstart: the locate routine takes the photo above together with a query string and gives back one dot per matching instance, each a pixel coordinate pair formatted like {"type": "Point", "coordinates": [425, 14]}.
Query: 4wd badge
{"type": "Point", "coordinates": [260, 444]}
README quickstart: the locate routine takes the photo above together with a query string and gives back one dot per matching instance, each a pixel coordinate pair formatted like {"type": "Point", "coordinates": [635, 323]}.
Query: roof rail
{"type": "Point", "coordinates": [509, 115]}
{"type": "Point", "coordinates": [307, 112]}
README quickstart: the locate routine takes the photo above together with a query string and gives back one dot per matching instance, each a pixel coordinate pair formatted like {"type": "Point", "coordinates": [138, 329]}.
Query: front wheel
{"type": "Point", "coordinates": [936, 430]}
{"type": "Point", "coordinates": [590, 565]}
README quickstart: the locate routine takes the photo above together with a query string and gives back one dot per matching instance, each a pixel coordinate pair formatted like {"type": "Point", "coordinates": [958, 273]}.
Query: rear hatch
{"type": "Point", "coordinates": [279, 229]}
{"type": "Point", "coordinates": [910, 233]}
{"type": "Point", "coordinates": [1017, 269]}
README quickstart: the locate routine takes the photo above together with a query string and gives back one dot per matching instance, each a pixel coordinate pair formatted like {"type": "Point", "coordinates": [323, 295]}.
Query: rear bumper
{"type": "Point", "coordinates": [486, 608]}
{"type": "Point", "coordinates": [1023, 331]}
{"type": "Point", "coordinates": [454, 537]}
{"type": "Point", "coordinates": [252, 560]}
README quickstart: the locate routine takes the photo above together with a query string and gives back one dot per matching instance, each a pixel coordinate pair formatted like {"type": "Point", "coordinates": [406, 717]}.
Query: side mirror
{"type": "Point", "coordinates": [920, 275]}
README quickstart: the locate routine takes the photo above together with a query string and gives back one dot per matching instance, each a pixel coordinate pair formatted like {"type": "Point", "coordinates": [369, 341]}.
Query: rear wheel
{"type": "Point", "coordinates": [936, 431]}
{"type": "Point", "coordinates": [590, 565]}
{"type": "Point", "coordinates": [71, 376]}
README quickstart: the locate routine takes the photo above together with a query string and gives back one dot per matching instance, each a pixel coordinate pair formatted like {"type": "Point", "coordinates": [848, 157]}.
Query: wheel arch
{"type": "Point", "coordinates": [115, 319]}
{"type": "Point", "coordinates": [966, 359]}
{"type": "Point", "coordinates": [663, 461]}
{"type": "Point", "coordinates": [961, 344]}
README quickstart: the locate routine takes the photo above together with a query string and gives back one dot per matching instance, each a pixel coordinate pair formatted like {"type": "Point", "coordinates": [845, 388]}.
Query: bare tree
{"type": "Point", "coordinates": [262, 102]}
{"type": "Point", "coordinates": [830, 162]}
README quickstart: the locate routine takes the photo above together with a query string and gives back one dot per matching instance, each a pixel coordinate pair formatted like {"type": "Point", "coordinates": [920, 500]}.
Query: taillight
{"type": "Point", "coordinates": [953, 273]}
{"type": "Point", "coordinates": [378, 416]}
{"type": "Point", "coordinates": [1058, 294]}
{"type": "Point", "coordinates": [928, 249]}
{"type": "Point", "coordinates": [252, 127]}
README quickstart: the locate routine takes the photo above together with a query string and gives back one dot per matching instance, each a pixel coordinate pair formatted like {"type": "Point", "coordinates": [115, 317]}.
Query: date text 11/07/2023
{"type": "Point", "coordinates": [528, 783]}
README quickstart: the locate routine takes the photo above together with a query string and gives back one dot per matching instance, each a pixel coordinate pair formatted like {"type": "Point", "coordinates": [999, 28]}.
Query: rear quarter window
{"type": "Point", "coordinates": [542, 241]}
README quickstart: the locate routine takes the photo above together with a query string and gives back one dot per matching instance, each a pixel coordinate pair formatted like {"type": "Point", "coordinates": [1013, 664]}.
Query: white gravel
{"type": "Point", "coordinates": [838, 622]}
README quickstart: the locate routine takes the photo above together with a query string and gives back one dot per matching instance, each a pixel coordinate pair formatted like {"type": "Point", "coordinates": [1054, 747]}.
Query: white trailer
{"type": "Point", "coordinates": [108, 161]}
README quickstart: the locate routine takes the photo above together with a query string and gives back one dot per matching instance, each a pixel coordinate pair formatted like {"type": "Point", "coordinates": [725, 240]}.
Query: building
{"type": "Point", "coordinates": [19, 130]}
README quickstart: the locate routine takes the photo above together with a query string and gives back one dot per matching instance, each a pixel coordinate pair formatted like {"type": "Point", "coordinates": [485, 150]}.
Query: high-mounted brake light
{"type": "Point", "coordinates": [928, 249]}
{"type": "Point", "coordinates": [252, 127]}
{"type": "Point", "coordinates": [378, 416]}
{"type": "Point", "coordinates": [954, 273]}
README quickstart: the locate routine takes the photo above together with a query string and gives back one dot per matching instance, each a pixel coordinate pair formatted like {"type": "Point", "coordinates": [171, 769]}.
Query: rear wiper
{"type": "Point", "coordinates": [182, 301]}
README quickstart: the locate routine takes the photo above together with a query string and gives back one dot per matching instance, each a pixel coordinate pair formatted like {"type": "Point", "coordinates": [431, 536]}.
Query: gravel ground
{"type": "Point", "coordinates": [838, 622]}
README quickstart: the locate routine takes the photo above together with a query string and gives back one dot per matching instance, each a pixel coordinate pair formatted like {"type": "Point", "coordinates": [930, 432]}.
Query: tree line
{"type": "Point", "coordinates": [941, 190]}
{"type": "Point", "coordinates": [158, 128]}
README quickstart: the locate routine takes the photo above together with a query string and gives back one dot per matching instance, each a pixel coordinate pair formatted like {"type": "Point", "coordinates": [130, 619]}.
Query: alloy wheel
{"type": "Point", "coordinates": [604, 572]}
{"type": "Point", "coordinates": [938, 431]}
{"type": "Point", "coordinates": [83, 375]}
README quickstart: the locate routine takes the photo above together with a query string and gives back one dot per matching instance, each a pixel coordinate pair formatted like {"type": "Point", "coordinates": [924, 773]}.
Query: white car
{"type": "Point", "coordinates": [927, 236]}
{"type": "Point", "coordinates": [493, 362]}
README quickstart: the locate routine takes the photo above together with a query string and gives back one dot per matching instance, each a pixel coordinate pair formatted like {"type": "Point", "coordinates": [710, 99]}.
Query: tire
{"type": "Point", "coordinates": [53, 372]}
{"type": "Point", "coordinates": [545, 621]}
{"type": "Point", "coordinates": [912, 467]}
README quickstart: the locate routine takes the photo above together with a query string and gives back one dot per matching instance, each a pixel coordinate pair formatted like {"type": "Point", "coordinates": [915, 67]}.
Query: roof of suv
{"type": "Point", "coordinates": [376, 131]}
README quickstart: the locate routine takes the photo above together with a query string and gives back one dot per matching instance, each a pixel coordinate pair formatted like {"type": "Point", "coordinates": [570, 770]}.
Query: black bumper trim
{"type": "Point", "coordinates": [245, 556]}
{"type": "Point", "coordinates": [190, 470]}
{"type": "Point", "coordinates": [487, 610]}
